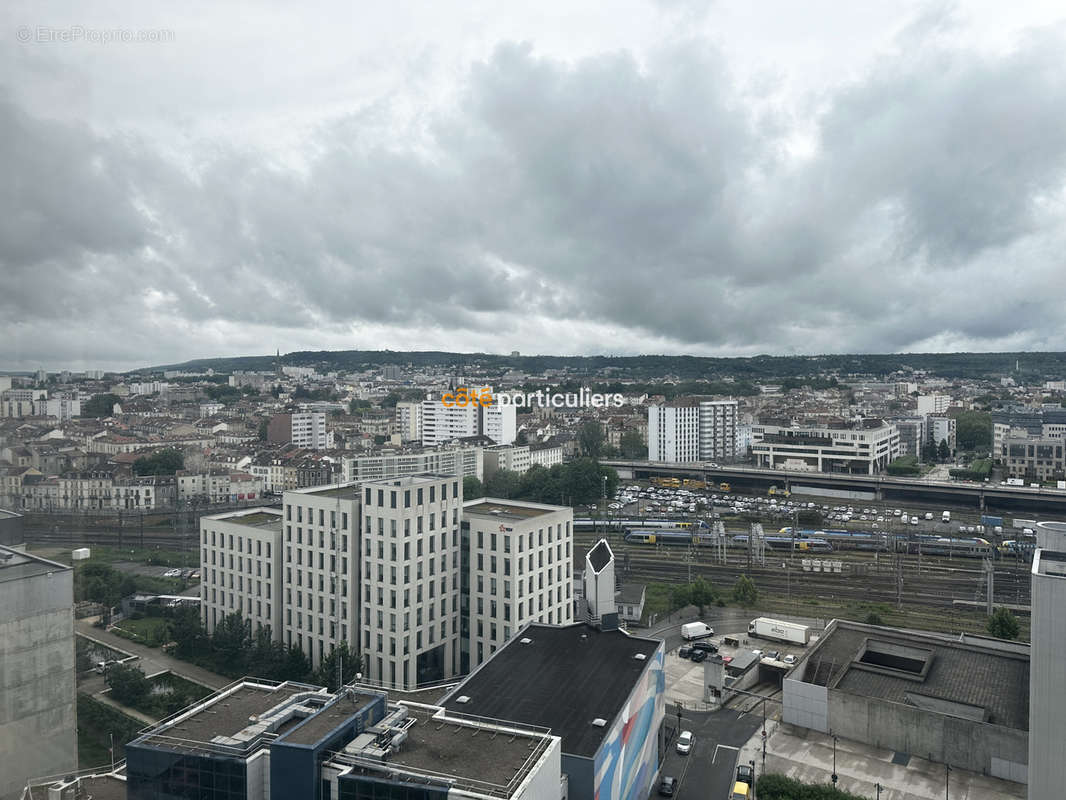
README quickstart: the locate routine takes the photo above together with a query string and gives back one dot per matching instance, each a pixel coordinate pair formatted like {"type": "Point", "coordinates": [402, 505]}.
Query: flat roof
{"type": "Point", "coordinates": [16, 565]}
{"type": "Point", "coordinates": [97, 787]}
{"type": "Point", "coordinates": [255, 518]}
{"type": "Point", "coordinates": [316, 728]}
{"type": "Point", "coordinates": [417, 479]}
{"type": "Point", "coordinates": [507, 510]}
{"type": "Point", "coordinates": [226, 714]}
{"type": "Point", "coordinates": [348, 491]}
{"type": "Point", "coordinates": [563, 678]}
{"type": "Point", "coordinates": [1049, 563]}
{"type": "Point", "coordinates": [937, 673]}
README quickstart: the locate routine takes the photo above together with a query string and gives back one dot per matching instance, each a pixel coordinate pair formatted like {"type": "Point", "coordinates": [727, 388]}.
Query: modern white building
{"type": "Point", "coordinates": [692, 429]}
{"type": "Point", "coordinates": [514, 458]}
{"type": "Point", "coordinates": [863, 449]}
{"type": "Point", "coordinates": [20, 402]}
{"type": "Point", "coordinates": [309, 430]}
{"type": "Point", "coordinates": [444, 420]}
{"type": "Point", "coordinates": [518, 562]}
{"type": "Point", "coordinates": [545, 455]}
{"type": "Point", "coordinates": [240, 568]}
{"type": "Point", "coordinates": [410, 579]}
{"type": "Point", "coordinates": [943, 429]}
{"type": "Point", "coordinates": [933, 403]}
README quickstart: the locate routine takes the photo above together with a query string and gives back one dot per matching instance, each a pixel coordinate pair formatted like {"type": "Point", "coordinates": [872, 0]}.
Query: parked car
{"type": "Point", "coordinates": [667, 786]}
{"type": "Point", "coordinates": [771, 654]}
{"type": "Point", "coordinates": [685, 652]}
{"type": "Point", "coordinates": [707, 647]}
{"type": "Point", "coordinates": [744, 774]}
{"type": "Point", "coordinates": [698, 656]}
{"type": "Point", "coordinates": [684, 743]}
{"type": "Point", "coordinates": [790, 659]}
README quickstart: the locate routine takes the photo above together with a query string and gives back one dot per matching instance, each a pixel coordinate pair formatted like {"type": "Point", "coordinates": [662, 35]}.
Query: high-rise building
{"type": "Point", "coordinates": [444, 420]}
{"type": "Point", "coordinates": [933, 404]}
{"type": "Point", "coordinates": [38, 701]}
{"type": "Point", "coordinates": [692, 429]}
{"type": "Point", "coordinates": [517, 569]}
{"type": "Point", "coordinates": [309, 430]}
{"type": "Point", "coordinates": [458, 460]}
{"type": "Point", "coordinates": [409, 418]}
{"type": "Point", "coordinates": [943, 430]}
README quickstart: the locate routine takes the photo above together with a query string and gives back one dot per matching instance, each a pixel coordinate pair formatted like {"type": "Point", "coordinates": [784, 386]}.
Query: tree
{"type": "Point", "coordinates": [231, 642]}
{"type": "Point", "coordinates": [356, 405]}
{"type": "Point", "coordinates": [1003, 624]}
{"type": "Point", "coordinates": [472, 488]}
{"type": "Point", "coordinates": [943, 452]}
{"type": "Point", "coordinates": [128, 684]}
{"type": "Point", "coordinates": [262, 431]}
{"type": "Point", "coordinates": [352, 663]}
{"type": "Point", "coordinates": [504, 484]}
{"type": "Point", "coordinates": [929, 449]}
{"type": "Point", "coordinates": [631, 445]}
{"type": "Point", "coordinates": [701, 593]}
{"type": "Point", "coordinates": [187, 632]}
{"type": "Point", "coordinates": [590, 438]}
{"type": "Point", "coordinates": [973, 430]}
{"type": "Point", "coordinates": [521, 438]}
{"type": "Point", "coordinates": [873, 618]}
{"type": "Point", "coordinates": [99, 405]}
{"type": "Point", "coordinates": [161, 462]}
{"type": "Point", "coordinates": [744, 591]}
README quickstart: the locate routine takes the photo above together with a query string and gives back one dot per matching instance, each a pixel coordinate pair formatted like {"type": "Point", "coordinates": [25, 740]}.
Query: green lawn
{"type": "Point", "coordinates": [95, 722]}
{"type": "Point", "coordinates": [151, 631]}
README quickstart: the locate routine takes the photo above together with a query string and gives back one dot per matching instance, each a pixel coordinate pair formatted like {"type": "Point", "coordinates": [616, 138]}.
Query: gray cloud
{"type": "Point", "coordinates": [618, 202]}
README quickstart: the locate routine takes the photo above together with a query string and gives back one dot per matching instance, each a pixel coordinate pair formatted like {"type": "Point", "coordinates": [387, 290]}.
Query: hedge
{"type": "Point", "coordinates": [779, 787]}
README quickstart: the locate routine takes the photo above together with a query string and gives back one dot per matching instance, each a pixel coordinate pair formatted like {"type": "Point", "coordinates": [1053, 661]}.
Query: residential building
{"type": "Point", "coordinates": [517, 570]}
{"type": "Point", "coordinates": [545, 455]}
{"type": "Point", "coordinates": [911, 435]}
{"type": "Point", "coordinates": [943, 430]}
{"type": "Point", "coordinates": [38, 700]}
{"type": "Point", "coordinates": [692, 429]}
{"type": "Point", "coordinates": [444, 421]}
{"type": "Point", "coordinates": [309, 430]}
{"type": "Point", "coordinates": [514, 458]}
{"type": "Point", "coordinates": [20, 402]}
{"type": "Point", "coordinates": [450, 459]}
{"type": "Point", "coordinates": [241, 568]}
{"type": "Point", "coordinates": [865, 448]}
{"type": "Point", "coordinates": [409, 419]}
{"type": "Point", "coordinates": [64, 406]}
{"type": "Point", "coordinates": [933, 404]}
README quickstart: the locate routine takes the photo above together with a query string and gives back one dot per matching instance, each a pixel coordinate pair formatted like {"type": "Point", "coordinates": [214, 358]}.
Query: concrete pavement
{"type": "Point", "coordinates": [807, 756]}
{"type": "Point", "coordinates": [153, 659]}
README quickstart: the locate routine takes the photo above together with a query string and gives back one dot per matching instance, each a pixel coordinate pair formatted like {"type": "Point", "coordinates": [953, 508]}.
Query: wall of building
{"type": "Point", "coordinates": [943, 739]}
{"type": "Point", "coordinates": [543, 781]}
{"type": "Point", "coordinates": [628, 760]}
{"type": "Point", "coordinates": [806, 705]}
{"type": "Point", "coordinates": [38, 711]}
{"type": "Point", "coordinates": [1047, 679]}
{"type": "Point", "coordinates": [11, 529]}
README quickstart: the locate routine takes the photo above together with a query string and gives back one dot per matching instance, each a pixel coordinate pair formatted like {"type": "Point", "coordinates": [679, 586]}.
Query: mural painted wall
{"type": "Point", "coordinates": [628, 759]}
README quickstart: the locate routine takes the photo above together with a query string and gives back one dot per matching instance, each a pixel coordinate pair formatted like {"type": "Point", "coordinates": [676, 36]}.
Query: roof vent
{"type": "Point", "coordinates": [463, 698]}
{"type": "Point", "coordinates": [525, 640]}
{"type": "Point", "coordinates": [599, 722]}
{"type": "Point", "coordinates": [640, 657]}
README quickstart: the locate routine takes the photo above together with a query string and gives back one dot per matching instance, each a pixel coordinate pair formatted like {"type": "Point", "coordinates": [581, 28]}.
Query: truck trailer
{"type": "Point", "coordinates": [790, 632]}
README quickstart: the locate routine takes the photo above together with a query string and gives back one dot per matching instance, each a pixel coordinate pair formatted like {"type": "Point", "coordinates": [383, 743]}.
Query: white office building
{"type": "Point", "coordinates": [409, 420]}
{"type": "Point", "coordinates": [933, 403]}
{"type": "Point", "coordinates": [514, 458]}
{"type": "Point", "coordinates": [443, 420]}
{"type": "Point", "coordinates": [519, 571]}
{"type": "Point", "coordinates": [240, 561]}
{"type": "Point", "coordinates": [943, 430]}
{"type": "Point", "coordinates": [410, 579]}
{"type": "Point", "coordinates": [458, 460]}
{"type": "Point", "coordinates": [863, 449]}
{"type": "Point", "coordinates": [692, 429]}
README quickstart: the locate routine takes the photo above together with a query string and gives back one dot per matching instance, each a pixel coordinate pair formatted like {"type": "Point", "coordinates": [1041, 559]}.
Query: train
{"type": "Point", "coordinates": [618, 524]}
{"type": "Point", "coordinates": [785, 542]}
{"type": "Point", "coordinates": [845, 540]}
{"type": "Point", "coordinates": [975, 547]}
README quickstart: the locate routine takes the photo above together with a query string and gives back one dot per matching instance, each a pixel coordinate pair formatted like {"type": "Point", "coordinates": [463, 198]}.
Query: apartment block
{"type": "Point", "coordinates": [240, 565]}
{"type": "Point", "coordinates": [514, 458]}
{"type": "Point", "coordinates": [933, 404]}
{"type": "Point", "coordinates": [444, 420]}
{"type": "Point", "coordinates": [692, 429]}
{"type": "Point", "coordinates": [517, 570]}
{"type": "Point", "coordinates": [457, 460]}
{"type": "Point", "coordinates": [409, 419]}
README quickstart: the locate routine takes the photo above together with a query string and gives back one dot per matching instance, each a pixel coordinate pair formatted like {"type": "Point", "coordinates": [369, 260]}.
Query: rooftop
{"type": "Point", "coordinates": [316, 728]}
{"type": "Point", "coordinates": [16, 565]}
{"type": "Point", "coordinates": [507, 509]}
{"type": "Point", "coordinates": [600, 556]}
{"type": "Point", "coordinates": [560, 678]}
{"type": "Point", "coordinates": [406, 481]}
{"type": "Point", "coordinates": [974, 678]}
{"type": "Point", "coordinates": [253, 518]}
{"type": "Point", "coordinates": [344, 491]}
{"type": "Point", "coordinates": [1049, 563]}
{"type": "Point", "coordinates": [97, 787]}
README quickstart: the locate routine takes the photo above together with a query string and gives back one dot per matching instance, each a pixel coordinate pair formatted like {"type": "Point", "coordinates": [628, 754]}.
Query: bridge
{"type": "Point", "coordinates": [984, 497]}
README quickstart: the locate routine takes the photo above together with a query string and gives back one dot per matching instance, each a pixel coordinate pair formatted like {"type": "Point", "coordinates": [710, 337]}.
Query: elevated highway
{"type": "Point", "coordinates": [984, 497]}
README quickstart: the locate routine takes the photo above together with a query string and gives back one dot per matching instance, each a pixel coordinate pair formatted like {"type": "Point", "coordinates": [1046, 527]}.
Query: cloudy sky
{"type": "Point", "coordinates": [639, 176]}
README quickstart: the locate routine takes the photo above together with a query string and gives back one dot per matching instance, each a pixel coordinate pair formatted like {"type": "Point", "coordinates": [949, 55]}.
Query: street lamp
{"type": "Point", "coordinates": [947, 780]}
{"type": "Point", "coordinates": [878, 787]}
{"type": "Point", "coordinates": [835, 777]}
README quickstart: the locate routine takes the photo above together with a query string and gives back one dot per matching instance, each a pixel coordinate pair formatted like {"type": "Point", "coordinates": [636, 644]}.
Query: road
{"type": "Point", "coordinates": [709, 770]}
{"type": "Point", "coordinates": [152, 659]}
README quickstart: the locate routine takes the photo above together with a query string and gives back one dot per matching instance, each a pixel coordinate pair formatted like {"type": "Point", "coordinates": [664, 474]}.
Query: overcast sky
{"type": "Point", "coordinates": [638, 176]}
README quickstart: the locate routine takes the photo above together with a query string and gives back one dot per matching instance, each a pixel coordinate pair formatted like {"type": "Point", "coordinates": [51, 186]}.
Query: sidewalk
{"type": "Point", "coordinates": [153, 659]}
{"type": "Point", "coordinates": [807, 756]}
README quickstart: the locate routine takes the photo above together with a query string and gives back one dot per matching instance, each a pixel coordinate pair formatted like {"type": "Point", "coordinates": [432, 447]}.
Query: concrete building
{"type": "Point", "coordinates": [1047, 677]}
{"type": "Point", "coordinates": [410, 579]}
{"type": "Point", "coordinates": [598, 586]}
{"type": "Point", "coordinates": [20, 402]}
{"type": "Point", "coordinates": [963, 701]}
{"type": "Point", "coordinates": [943, 430]}
{"type": "Point", "coordinates": [64, 406]}
{"type": "Point", "coordinates": [38, 701]}
{"type": "Point", "coordinates": [863, 449]}
{"type": "Point", "coordinates": [692, 429]}
{"type": "Point", "coordinates": [929, 404]}
{"type": "Point", "coordinates": [11, 528]}
{"type": "Point", "coordinates": [516, 566]}
{"type": "Point", "coordinates": [450, 459]}
{"type": "Point", "coordinates": [444, 420]}
{"type": "Point", "coordinates": [309, 430]}
{"type": "Point", "coordinates": [409, 420]}
{"type": "Point", "coordinates": [1049, 422]}
{"type": "Point", "coordinates": [545, 455]}
{"type": "Point", "coordinates": [1035, 458]}
{"type": "Point", "coordinates": [911, 435]}
{"type": "Point", "coordinates": [255, 740]}
{"type": "Point", "coordinates": [240, 568]}
{"type": "Point", "coordinates": [513, 457]}
{"type": "Point", "coordinates": [601, 692]}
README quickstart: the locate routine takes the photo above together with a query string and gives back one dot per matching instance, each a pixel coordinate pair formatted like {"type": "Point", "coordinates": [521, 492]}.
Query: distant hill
{"type": "Point", "coordinates": [1031, 366]}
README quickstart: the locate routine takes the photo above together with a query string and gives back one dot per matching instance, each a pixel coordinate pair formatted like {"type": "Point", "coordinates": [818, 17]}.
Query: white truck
{"type": "Point", "coordinates": [691, 631]}
{"type": "Point", "coordinates": [777, 629]}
